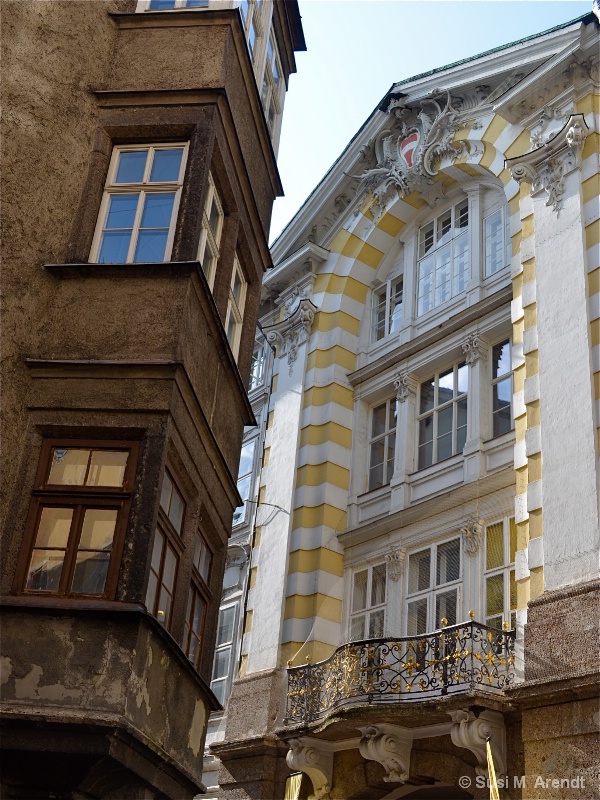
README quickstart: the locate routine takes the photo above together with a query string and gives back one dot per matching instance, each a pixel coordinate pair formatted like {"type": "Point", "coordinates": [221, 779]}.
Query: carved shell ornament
{"type": "Point", "coordinates": [409, 154]}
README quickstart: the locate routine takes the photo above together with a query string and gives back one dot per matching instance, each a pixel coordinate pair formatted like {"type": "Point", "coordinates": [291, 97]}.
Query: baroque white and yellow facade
{"type": "Point", "coordinates": [422, 487]}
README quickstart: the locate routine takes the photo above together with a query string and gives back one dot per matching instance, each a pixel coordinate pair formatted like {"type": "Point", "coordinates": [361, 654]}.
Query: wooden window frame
{"type": "Point", "coordinates": [46, 495]}
{"type": "Point", "coordinates": [199, 588]}
{"type": "Point", "coordinates": [236, 307]}
{"type": "Point", "coordinates": [210, 240]}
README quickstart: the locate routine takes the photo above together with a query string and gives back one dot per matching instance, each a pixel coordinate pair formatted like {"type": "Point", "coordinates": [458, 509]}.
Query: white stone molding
{"type": "Point", "coordinates": [391, 746]}
{"type": "Point", "coordinates": [409, 153]}
{"type": "Point", "coordinates": [293, 331]}
{"type": "Point", "coordinates": [404, 386]}
{"type": "Point", "coordinates": [314, 762]}
{"type": "Point", "coordinates": [395, 563]}
{"type": "Point", "coordinates": [471, 349]}
{"type": "Point", "coordinates": [472, 534]}
{"type": "Point", "coordinates": [472, 732]}
{"type": "Point", "coordinates": [546, 167]}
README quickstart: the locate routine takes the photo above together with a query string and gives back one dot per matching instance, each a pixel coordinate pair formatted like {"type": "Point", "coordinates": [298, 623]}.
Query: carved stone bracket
{"type": "Point", "coordinates": [472, 733]}
{"type": "Point", "coordinates": [293, 331]}
{"type": "Point", "coordinates": [471, 348]}
{"type": "Point", "coordinates": [404, 385]}
{"type": "Point", "coordinates": [315, 763]}
{"type": "Point", "coordinates": [472, 534]}
{"type": "Point", "coordinates": [395, 563]}
{"type": "Point", "coordinates": [390, 745]}
{"type": "Point", "coordinates": [546, 167]}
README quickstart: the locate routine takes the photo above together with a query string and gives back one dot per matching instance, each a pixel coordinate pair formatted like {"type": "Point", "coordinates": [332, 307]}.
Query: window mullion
{"type": "Point", "coordinates": [136, 226]}
{"type": "Point", "coordinates": [71, 549]}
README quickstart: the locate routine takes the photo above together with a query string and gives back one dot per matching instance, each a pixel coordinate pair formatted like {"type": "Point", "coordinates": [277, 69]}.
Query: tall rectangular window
{"type": "Point", "coordinates": [138, 212]}
{"type": "Point", "coordinates": [272, 85]}
{"type": "Point", "coordinates": [443, 415]}
{"type": "Point", "coordinates": [223, 653]}
{"type": "Point", "coordinates": [244, 483]}
{"type": "Point", "coordinates": [257, 367]}
{"type": "Point", "coordinates": [433, 592]}
{"type": "Point", "coordinates": [166, 552]}
{"type": "Point", "coordinates": [78, 518]}
{"type": "Point", "coordinates": [382, 444]}
{"type": "Point", "coordinates": [443, 258]}
{"type": "Point", "coordinates": [386, 316]}
{"type": "Point", "coordinates": [500, 583]}
{"type": "Point", "coordinates": [235, 309]}
{"type": "Point", "coordinates": [497, 241]}
{"type": "Point", "coordinates": [502, 389]}
{"type": "Point", "coordinates": [198, 600]}
{"type": "Point", "coordinates": [212, 228]}
{"type": "Point", "coordinates": [367, 618]}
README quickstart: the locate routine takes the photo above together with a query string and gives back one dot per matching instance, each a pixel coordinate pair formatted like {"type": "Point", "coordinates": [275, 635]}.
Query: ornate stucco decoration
{"type": "Point", "coordinates": [316, 763]}
{"type": "Point", "coordinates": [395, 564]}
{"type": "Point", "coordinates": [293, 330]}
{"type": "Point", "coordinates": [471, 348]}
{"type": "Point", "coordinates": [472, 733]}
{"type": "Point", "coordinates": [390, 745]}
{"type": "Point", "coordinates": [546, 167]}
{"type": "Point", "coordinates": [408, 155]}
{"type": "Point", "coordinates": [404, 386]}
{"type": "Point", "coordinates": [471, 534]}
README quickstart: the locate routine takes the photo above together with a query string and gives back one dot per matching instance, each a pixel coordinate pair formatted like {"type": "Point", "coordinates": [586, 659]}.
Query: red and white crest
{"type": "Point", "coordinates": [408, 147]}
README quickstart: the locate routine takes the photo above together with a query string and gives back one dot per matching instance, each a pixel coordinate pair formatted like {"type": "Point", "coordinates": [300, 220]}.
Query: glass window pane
{"type": "Point", "coordinates": [444, 447]}
{"type": "Point", "coordinates": [89, 576]}
{"type": "Point", "coordinates": [377, 453]}
{"type": "Point", "coordinates": [151, 247]}
{"type": "Point", "coordinates": [376, 620]}
{"type": "Point", "coordinates": [165, 493]}
{"type": "Point", "coordinates": [461, 438]}
{"type": "Point", "coordinates": [121, 210]}
{"type": "Point", "coordinates": [443, 275]}
{"type": "Point", "coordinates": [158, 209]}
{"type": "Point", "coordinates": [218, 689]}
{"type": "Point", "coordinates": [221, 666]}
{"type": "Point", "coordinates": [166, 165]}
{"type": "Point", "coordinates": [176, 510]}
{"type": "Point", "coordinates": [446, 607]}
{"type": "Point", "coordinates": [192, 649]}
{"type": "Point", "coordinates": [107, 468]}
{"type": "Point", "coordinates": [157, 5]}
{"type": "Point", "coordinates": [461, 263]}
{"type": "Point", "coordinates": [131, 166]}
{"type": "Point", "coordinates": [445, 421]}
{"type": "Point", "coordinates": [512, 583]}
{"type": "Point", "coordinates": [427, 396]}
{"type": "Point", "coordinates": [448, 562]}
{"type": "Point", "coordinates": [512, 540]}
{"type": "Point", "coordinates": [114, 247]}
{"type": "Point", "coordinates": [418, 571]}
{"type": "Point", "coordinates": [378, 585]}
{"type": "Point", "coordinates": [357, 628]}
{"type": "Point", "coordinates": [461, 215]}
{"type": "Point", "coordinates": [425, 298]}
{"type": "Point", "coordinates": [54, 526]}
{"type": "Point", "coordinates": [426, 430]}
{"type": "Point", "coordinates": [163, 612]}
{"type": "Point", "coordinates": [157, 550]}
{"type": "Point", "coordinates": [494, 546]}
{"type": "Point", "coordinates": [376, 477]}
{"type": "Point", "coordinates": [494, 246]}
{"type": "Point", "coordinates": [98, 529]}
{"type": "Point", "coordinates": [247, 458]}
{"type": "Point", "coordinates": [425, 455]}
{"type": "Point", "coordinates": [501, 360]}
{"type": "Point", "coordinates": [445, 387]}
{"type": "Point", "coordinates": [170, 567]}
{"type": "Point", "coordinates": [359, 595]}
{"type": "Point", "coordinates": [494, 595]}
{"type": "Point", "coordinates": [425, 239]}
{"type": "Point", "coordinates": [151, 592]}
{"type": "Point", "coordinates": [226, 620]}
{"type": "Point", "coordinates": [198, 617]}
{"type": "Point", "coordinates": [417, 617]}
{"type": "Point", "coordinates": [45, 570]}
{"type": "Point", "coordinates": [463, 378]}
{"type": "Point", "coordinates": [379, 420]}
{"type": "Point", "coordinates": [68, 467]}
{"type": "Point", "coordinates": [391, 452]}
{"type": "Point", "coordinates": [444, 227]}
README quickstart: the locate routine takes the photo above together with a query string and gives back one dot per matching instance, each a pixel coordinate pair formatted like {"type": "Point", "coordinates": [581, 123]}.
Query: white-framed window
{"type": "Point", "coordinates": [212, 228]}
{"type": "Point", "coordinates": [272, 85]}
{"type": "Point", "coordinates": [386, 314]}
{"type": "Point", "coordinates": [244, 481]}
{"type": "Point", "coordinates": [382, 443]}
{"type": "Point", "coordinates": [235, 308]}
{"type": "Point", "coordinates": [500, 583]}
{"type": "Point", "coordinates": [433, 590]}
{"type": "Point", "coordinates": [258, 366]}
{"type": "Point", "coordinates": [443, 256]}
{"type": "Point", "coordinates": [367, 617]}
{"type": "Point", "coordinates": [223, 652]}
{"type": "Point", "coordinates": [442, 416]}
{"type": "Point", "coordinates": [498, 247]}
{"type": "Point", "coordinates": [138, 213]}
{"type": "Point", "coordinates": [502, 389]}
{"type": "Point", "coordinates": [252, 22]}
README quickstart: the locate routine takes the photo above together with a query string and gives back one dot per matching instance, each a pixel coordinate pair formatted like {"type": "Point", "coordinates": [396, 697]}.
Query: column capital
{"type": "Point", "coordinates": [292, 332]}
{"type": "Point", "coordinates": [405, 385]}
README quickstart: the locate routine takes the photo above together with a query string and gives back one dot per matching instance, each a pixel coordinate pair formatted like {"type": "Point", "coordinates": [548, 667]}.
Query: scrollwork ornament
{"type": "Point", "coordinates": [313, 762]}
{"type": "Point", "coordinates": [472, 733]}
{"type": "Point", "coordinates": [388, 745]}
{"type": "Point", "coordinates": [402, 387]}
{"type": "Point", "coordinates": [472, 534]}
{"type": "Point", "coordinates": [471, 349]}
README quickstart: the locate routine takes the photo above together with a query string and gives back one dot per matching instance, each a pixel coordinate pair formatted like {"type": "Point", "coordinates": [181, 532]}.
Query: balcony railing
{"type": "Point", "coordinates": [455, 659]}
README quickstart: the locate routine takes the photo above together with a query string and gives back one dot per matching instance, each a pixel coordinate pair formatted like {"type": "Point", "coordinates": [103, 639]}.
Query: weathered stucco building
{"type": "Point", "coordinates": [139, 174]}
{"type": "Point", "coordinates": [421, 515]}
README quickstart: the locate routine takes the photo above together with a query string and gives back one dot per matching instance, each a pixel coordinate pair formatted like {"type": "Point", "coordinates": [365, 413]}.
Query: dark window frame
{"type": "Point", "coordinates": [199, 588]}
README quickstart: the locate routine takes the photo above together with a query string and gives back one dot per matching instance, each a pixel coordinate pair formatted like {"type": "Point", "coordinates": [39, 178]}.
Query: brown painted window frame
{"type": "Point", "coordinates": [79, 497]}
{"type": "Point", "coordinates": [174, 540]}
{"type": "Point", "coordinates": [199, 586]}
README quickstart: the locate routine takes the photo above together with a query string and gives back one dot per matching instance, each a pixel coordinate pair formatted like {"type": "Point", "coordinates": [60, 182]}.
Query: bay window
{"type": "Point", "coordinates": [138, 212]}
{"type": "Point", "coordinates": [367, 619]}
{"type": "Point", "coordinates": [443, 257]}
{"type": "Point", "coordinates": [442, 417]}
{"type": "Point", "coordinates": [382, 444]}
{"type": "Point", "coordinates": [78, 519]}
{"type": "Point", "coordinates": [433, 592]}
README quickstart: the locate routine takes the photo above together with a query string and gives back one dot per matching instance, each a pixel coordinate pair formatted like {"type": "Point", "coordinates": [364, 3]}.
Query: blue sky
{"type": "Point", "coordinates": [358, 48]}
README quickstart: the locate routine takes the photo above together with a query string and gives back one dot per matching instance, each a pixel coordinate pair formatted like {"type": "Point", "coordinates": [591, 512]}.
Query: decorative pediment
{"type": "Point", "coordinates": [409, 153]}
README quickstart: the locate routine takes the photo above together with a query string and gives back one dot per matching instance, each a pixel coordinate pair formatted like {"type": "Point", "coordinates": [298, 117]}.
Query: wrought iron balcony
{"type": "Point", "coordinates": [459, 658]}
